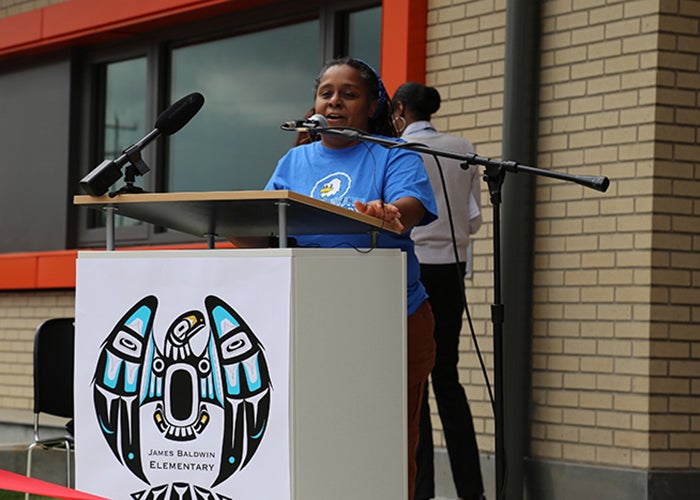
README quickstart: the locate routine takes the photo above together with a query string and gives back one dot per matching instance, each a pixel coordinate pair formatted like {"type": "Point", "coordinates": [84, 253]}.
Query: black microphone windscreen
{"type": "Point", "coordinates": [179, 113]}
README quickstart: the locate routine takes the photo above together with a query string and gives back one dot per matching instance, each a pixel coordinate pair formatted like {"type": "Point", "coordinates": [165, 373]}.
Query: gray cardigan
{"type": "Point", "coordinates": [433, 241]}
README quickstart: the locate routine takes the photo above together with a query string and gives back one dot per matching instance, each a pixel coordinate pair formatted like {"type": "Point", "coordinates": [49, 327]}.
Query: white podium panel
{"type": "Point", "coordinates": [244, 374]}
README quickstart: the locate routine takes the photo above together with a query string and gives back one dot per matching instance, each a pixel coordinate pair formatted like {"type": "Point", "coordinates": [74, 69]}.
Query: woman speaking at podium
{"type": "Point", "coordinates": [390, 184]}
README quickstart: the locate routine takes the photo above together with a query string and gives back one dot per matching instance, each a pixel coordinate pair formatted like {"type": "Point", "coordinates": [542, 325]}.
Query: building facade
{"type": "Point", "coordinates": [601, 290]}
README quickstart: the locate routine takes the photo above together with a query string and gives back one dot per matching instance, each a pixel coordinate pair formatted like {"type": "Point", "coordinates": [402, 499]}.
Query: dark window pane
{"type": "Point", "coordinates": [125, 105]}
{"type": "Point", "coordinates": [251, 83]}
{"type": "Point", "coordinates": [124, 119]}
{"type": "Point", "coordinates": [364, 35]}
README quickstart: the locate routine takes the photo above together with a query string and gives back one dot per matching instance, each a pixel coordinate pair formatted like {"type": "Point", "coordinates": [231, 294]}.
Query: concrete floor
{"type": "Point", "coordinates": [16, 433]}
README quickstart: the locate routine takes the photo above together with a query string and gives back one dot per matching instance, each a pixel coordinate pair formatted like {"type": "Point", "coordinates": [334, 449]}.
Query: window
{"type": "Point", "coordinates": [123, 118]}
{"type": "Point", "coordinates": [255, 71]}
{"type": "Point", "coordinates": [363, 32]}
{"type": "Point", "coordinates": [251, 83]}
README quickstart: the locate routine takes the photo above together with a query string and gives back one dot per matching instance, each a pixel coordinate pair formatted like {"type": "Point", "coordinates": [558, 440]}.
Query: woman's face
{"type": "Point", "coordinates": [342, 97]}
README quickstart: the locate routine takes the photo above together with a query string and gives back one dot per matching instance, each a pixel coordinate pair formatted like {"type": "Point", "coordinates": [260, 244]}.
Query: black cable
{"type": "Point", "coordinates": [461, 278]}
{"type": "Point", "coordinates": [466, 305]}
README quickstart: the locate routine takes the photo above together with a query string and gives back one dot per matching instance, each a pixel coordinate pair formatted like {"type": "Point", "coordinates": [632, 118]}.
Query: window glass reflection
{"type": "Point", "coordinates": [125, 105]}
{"type": "Point", "coordinates": [124, 121]}
{"type": "Point", "coordinates": [364, 35]}
{"type": "Point", "coordinates": [251, 84]}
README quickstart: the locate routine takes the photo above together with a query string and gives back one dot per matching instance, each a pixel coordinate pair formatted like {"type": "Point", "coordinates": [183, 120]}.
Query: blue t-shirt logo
{"type": "Point", "coordinates": [332, 188]}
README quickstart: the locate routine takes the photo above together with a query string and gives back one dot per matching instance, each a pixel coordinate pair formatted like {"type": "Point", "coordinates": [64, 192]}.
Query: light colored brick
{"type": "Point", "coordinates": [613, 420]}
{"type": "Point", "coordinates": [613, 382]}
{"type": "Point", "coordinates": [580, 381]}
{"type": "Point", "coordinates": [637, 8]}
{"type": "Point", "coordinates": [679, 25]}
{"type": "Point", "coordinates": [578, 452]}
{"type": "Point", "coordinates": [566, 433]}
{"type": "Point", "coordinates": [596, 400]}
{"type": "Point", "coordinates": [628, 439]}
{"type": "Point", "coordinates": [597, 436]}
{"type": "Point", "coordinates": [547, 449]}
{"type": "Point", "coordinates": [669, 386]}
{"type": "Point", "coordinates": [687, 405]}
{"type": "Point", "coordinates": [678, 368]}
{"type": "Point", "coordinates": [548, 415]}
{"type": "Point", "coordinates": [597, 364]}
{"type": "Point", "coordinates": [588, 104]}
{"type": "Point", "coordinates": [562, 363]}
{"type": "Point", "coordinates": [638, 79]}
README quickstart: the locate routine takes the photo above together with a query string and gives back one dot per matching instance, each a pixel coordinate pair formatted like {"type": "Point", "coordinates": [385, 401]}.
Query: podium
{"type": "Point", "coordinates": [234, 213]}
{"type": "Point", "coordinates": [249, 374]}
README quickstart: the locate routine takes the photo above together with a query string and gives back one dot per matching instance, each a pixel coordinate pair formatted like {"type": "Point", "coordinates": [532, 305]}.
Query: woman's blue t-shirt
{"type": "Point", "coordinates": [363, 172]}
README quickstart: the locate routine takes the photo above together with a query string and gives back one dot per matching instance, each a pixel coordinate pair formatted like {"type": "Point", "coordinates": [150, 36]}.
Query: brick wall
{"type": "Point", "coordinates": [613, 272]}
{"type": "Point", "coordinates": [20, 315]}
{"type": "Point", "coordinates": [615, 364]}
{"type": "Point", "coordinates": [465, 62]}
{"type": "Point", "coordinates": [674, 309]}
{"type": "Point", "coordinates": [591, 331]}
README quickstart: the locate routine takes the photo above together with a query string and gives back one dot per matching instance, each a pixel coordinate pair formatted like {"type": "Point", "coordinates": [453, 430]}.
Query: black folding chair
{"type": "Point", "coordinates": [54, 342]}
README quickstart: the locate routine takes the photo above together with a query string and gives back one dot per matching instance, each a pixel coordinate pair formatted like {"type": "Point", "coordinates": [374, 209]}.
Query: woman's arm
{"type": "Point", "coordinates": [403, 213]}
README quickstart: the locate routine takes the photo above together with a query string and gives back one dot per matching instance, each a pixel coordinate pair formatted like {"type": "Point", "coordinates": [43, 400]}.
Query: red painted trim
{"type": "Point", "coordinates": [33, 270]}
{"type": "Point", "coordinates": [79, 22]}
{"type": "Point", "coordinates": [56, 271]}
{"type": "Point", "coordinates": [52, 270]}
{"type": "Point", "coordinates": [17, 271]}
{"type": "Point", "coordinates": [404, 38]}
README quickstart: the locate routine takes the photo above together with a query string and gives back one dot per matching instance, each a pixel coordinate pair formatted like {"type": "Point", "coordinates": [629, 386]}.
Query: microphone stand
{"type": "Point", "coordinates": [494, 175]}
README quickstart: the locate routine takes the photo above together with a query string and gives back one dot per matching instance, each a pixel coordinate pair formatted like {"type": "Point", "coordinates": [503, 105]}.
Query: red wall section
{"type": "Point", "coordinates": [78, 22]}
{"type": "Point", "coordinates": [404, 25]}
{"type": "Point", "coordinates": [20, 30]}
{"type": "Point", "coordinates": [23, 271]}
{"type": "Point", "coordinates": [47, 270]}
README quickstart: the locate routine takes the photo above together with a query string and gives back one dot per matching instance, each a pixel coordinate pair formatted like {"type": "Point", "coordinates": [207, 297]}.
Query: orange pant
{"type": "Point", "coordinates": [421, 358]}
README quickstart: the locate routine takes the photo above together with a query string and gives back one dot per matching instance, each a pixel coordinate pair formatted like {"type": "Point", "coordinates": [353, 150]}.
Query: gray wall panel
{"type": "Point", "coordinates": [552, 480]}
{"type": "Point", "coordinates": [34, 152]}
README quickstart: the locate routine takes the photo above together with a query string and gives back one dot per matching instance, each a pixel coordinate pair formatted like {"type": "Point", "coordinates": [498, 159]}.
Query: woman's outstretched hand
{"type": "Point", "coordinates": [386, 211]}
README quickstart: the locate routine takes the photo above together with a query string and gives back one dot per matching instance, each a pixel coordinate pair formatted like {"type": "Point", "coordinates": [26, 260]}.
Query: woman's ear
{"type": "Point", "coordinates": [373, 109]}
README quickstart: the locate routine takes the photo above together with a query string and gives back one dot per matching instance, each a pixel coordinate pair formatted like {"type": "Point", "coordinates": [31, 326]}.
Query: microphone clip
{"type": "Point", "coordinates": [133, 155]}
{"type": "Point", "coordinates": [313, 124]}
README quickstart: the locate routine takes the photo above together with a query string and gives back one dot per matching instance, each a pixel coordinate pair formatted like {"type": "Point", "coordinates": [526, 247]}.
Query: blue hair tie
{"type": "Point", "coordinates": [382, 97]}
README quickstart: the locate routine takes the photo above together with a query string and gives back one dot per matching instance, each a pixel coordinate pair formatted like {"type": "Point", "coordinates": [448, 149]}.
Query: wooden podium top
{"type": "Point", "coordinates": [232, 214]}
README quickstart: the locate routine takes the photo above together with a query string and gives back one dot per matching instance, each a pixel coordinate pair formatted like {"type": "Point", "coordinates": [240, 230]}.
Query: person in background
{"type": "Point", "coordinates": [387, 183]}
{"type": "Point", "coordinates": [443, 276]}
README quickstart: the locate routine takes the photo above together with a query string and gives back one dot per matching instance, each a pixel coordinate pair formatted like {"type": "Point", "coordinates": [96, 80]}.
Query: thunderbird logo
{"type": "Point", "coordinates": [179, 386]}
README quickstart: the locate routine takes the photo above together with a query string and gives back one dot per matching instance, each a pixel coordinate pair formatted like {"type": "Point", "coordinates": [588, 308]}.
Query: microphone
{"type": "Point", "coordinates": [316, 121]}
{"type": "Point", "coordinates": [179, 113]}
{"type": "Point", "coordinates": [176, 116]}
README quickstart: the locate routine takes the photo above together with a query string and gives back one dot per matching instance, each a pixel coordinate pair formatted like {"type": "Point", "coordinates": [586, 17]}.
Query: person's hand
{"type": "Point", "coordinates": [386, 211]}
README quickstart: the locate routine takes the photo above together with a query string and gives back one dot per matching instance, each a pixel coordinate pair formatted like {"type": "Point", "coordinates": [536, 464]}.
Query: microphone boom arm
{"type": "Point", "coordinates": [599, 183]}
